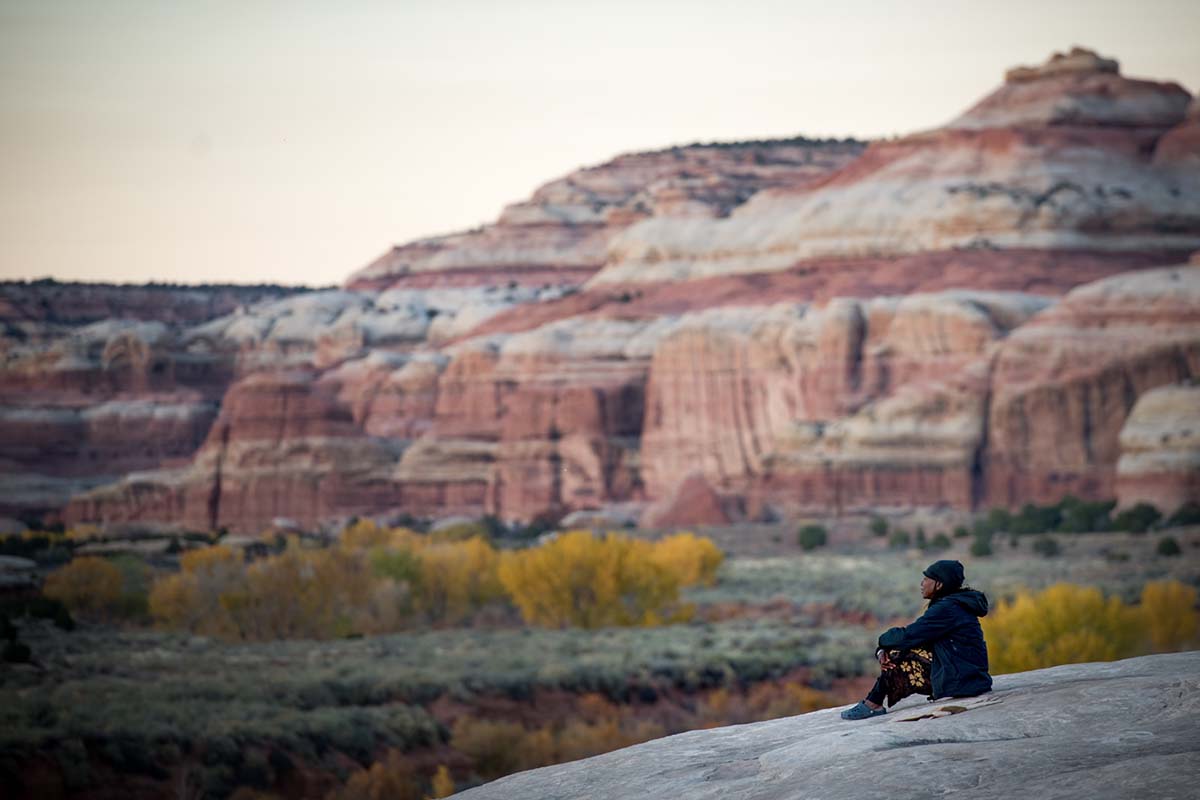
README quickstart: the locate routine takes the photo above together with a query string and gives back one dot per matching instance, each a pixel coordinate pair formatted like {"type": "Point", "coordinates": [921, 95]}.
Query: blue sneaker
{"type": "Point", "coordinates": [862, 711]}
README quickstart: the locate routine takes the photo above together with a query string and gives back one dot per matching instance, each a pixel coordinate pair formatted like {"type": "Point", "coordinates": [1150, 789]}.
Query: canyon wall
{"type": "Point", "coordinates": [962, 317]}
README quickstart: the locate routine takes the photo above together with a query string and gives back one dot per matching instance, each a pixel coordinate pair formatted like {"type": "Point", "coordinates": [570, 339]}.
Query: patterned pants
{"type": "Point", "coordinates": [907, 672]}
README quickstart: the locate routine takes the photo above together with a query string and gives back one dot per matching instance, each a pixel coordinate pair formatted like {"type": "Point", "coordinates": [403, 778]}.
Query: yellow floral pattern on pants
{"type": "Point", "coordinates": [908, 672]}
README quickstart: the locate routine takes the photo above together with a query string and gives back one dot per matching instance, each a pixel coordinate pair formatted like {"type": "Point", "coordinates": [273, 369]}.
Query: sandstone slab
{"type": "Point", "coordinates": [1105, 730]}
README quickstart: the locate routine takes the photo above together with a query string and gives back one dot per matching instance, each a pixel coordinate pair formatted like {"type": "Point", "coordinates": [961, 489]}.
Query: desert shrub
{"type": "Point", "coordinates": [442, 785]}
{"type": "Point", "coordinates": [981, 547]}
{"type": "Point", "coordinates": [135, 587]}
{"type": "Point", "coordinates": [461, 532]}
{"type": "Point", "coordinates": [1035, 519]}
{"type": "Point", "coordinates": [391, 778]}
{"type": "Point", "coordinates": [878, 527]}
{"type": "Point", "coordinates": [692, 559]}
{"type": "Point", "coordinates": [995, 521]}
{"type": "Point", "coordinates": [543, 522]}
{"type": "Point", "coordinates": [899, 539]}
{"type": "Point", "coordinates": [940, 542]}
{"type": "Point", "coordinates": [87, 586]}
{"type": "Point", "coordinates": [1046, 546]}
{"type": "Point", "coordinates": [584, 739]}
{"type": "Point", "coordinates": [493, 746]}
{"type": "Point", "coordinates": [810, 537]}
{"type": "Point", "coordinates": [922, 539]}
{"type": "Point", "coordinates": [1080, 516]}
{"type": "Point", "coordinates": [1168, 612]}
{"type": "Point", "coordinates": [587, 581]}
{"type": "Point", "coordinates": [1137, 519]}
{"type": "Point", "coordinates": [1167, 546]}
{"type": "Point", "coordinates": [1186, 514]}
{"type": "Point", "coordinates": [961, 532]}
{"type": "Point", "coordinates": [771, 700]}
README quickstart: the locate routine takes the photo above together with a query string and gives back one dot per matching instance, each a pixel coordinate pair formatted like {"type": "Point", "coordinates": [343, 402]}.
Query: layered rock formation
{"type": "Point", "coordinates": [562, 233]}
{"type": "Point", "coordinates": [99, 380]}
{"type": "Point", "coordinates": [1106, 730]}
{"type": "Point", "coordinates": [1061, 157]}
{"type": "Point", "coordinates": [1160, 449]}
{"type": "Point", "coordinates": [963, 317]}
{"type": "Point", "coordinates": [857, 404]}
{"type": "Point", "coordinates": [1063, 385]}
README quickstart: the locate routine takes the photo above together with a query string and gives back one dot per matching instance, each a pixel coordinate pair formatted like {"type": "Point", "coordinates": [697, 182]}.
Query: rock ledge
{"type": "Point", "coordinates": [1105, 730]}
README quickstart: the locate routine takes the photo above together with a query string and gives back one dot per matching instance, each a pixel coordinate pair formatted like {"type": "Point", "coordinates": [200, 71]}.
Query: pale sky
{"type": "Point", "coordinates": [251, 141]}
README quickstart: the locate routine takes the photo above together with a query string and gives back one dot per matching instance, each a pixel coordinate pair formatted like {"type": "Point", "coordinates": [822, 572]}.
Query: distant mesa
{"type": "Point", "coordinates": [982, 314]}
{"type": "Point", "coordinates": [1078, 61]}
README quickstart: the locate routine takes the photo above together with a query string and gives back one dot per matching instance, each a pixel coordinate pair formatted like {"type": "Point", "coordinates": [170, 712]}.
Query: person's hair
{"type": "Point", "coordinates": [942, 591]}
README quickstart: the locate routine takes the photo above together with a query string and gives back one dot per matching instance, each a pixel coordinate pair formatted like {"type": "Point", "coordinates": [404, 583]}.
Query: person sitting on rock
{"type": "Point", "coordinates": [942, 653]}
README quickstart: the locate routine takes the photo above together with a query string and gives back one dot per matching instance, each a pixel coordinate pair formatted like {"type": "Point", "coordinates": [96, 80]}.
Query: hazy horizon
{"type": "Point", "coordinates": [293, 143]}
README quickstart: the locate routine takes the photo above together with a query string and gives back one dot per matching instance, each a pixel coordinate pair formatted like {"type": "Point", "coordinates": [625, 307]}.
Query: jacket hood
{"type": "Point", "coordinates": [974, 601]}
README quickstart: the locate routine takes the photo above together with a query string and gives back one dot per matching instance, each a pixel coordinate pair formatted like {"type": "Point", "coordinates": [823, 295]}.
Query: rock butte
{"type": "Point", "coordinates": [1106, 730]}
{"type": "Point", "coordinates": [963, 317]}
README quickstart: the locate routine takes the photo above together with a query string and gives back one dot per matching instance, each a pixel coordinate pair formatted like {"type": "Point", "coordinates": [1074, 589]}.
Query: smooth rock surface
{"type": "Point", "coordinates": [1106, 730]}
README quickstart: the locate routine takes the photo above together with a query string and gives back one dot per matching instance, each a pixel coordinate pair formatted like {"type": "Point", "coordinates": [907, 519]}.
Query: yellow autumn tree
{"type": "Point", "coordinates": [191, 599]}
{"type": "Point", "coordinates": [1168, 615]}
{"type": "Point", "coordinates": [694, 560]}
{"type": "Point", "coordinates": [442, 783]}
{"type": "Point", "coordinates": [87, 586]}
{"type": "Point", "coordinates": [455, 578]}
{"type": "Point", "coordinates": [590, 582]}
{"type": "Point", "coordinates": [302, 594]}
{"type": "Point", "coordinates": [1062, 624]}
{"type": "Point", "coordinates": [367, 535]}
{"type": "Point", "coordinates": [391, 778]}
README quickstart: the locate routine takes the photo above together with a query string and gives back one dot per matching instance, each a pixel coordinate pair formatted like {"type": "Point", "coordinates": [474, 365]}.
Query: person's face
{"type": "Point", "coordinates": [929, 586]}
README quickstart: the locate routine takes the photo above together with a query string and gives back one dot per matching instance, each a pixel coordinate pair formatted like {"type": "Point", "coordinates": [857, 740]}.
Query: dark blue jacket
{"type": "Point", "coordinates": [950, 627]}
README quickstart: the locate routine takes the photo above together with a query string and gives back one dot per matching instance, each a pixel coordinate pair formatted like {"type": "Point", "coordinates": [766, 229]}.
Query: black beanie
{"type": "Point", "coordinates": [948, 573]}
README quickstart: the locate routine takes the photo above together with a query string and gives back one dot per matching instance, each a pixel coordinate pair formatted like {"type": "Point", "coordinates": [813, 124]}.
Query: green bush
{"type": "Point", "coordinates": [810, 537]}
{"type": "Point", "coordinates": [940, 542]}
{"type": "Point", "coordinates": [1036, 519]}
{"type": "Point", "coordinates": [1080, 516]}
{"type": "Point", "coordinates": [982, 546]}
{"type": "Point", "coordinates": [1137, 519]}
{"type": "Point", "coordinates": [461, 532]}
{"type": "Point", "coordinates": [961, 532]}
{"type": "Point", "coordinates": [899, 539]}
{"type": "Point", "coordinates": [922, 540]}
{"type": "Point", "coordinates": [1167, 546]}
{"type": "Point", "coordinates": [878, 527]}
{"type": "Point", "coordinates": [1186, 514]}
{"type": "Point", "coordinates": [1046, 546]}
{"type": "Point", "coordinates": [996, 520]}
